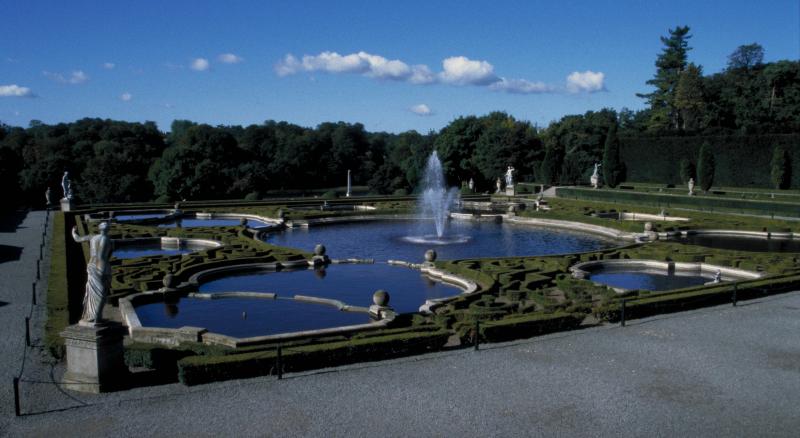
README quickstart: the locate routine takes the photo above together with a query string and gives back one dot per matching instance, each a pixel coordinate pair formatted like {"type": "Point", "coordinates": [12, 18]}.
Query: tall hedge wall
{"type": "Point", "coordinates": [741, 161]}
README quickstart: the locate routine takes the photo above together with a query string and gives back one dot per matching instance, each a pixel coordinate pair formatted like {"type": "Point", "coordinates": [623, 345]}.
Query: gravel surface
{"type": "Point", "coordinates": [721, 371]}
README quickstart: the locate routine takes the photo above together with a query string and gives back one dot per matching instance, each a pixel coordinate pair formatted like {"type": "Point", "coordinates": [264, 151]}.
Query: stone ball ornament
{"type": "Point", "coordinates": [319, 249]}
{"type": "Point", "coordinates": [648, 226]}
{"type": "Point", "coordinates": [169, 281]}
{"type": "Point", "coordinates": [430, 256]}
{"type": "Point", "coordinates": [380, 298]}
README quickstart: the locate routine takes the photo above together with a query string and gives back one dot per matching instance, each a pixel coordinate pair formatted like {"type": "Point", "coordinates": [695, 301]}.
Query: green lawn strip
{"type": "Point", "coordinates": [57, 298]}
{"type": "Point", "coordinates": [708, 203]}
{"type": "Point", "coordinates": [195, 370]}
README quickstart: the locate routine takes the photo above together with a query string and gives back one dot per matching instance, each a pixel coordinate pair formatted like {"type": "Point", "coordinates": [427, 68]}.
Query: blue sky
{"type": "Point", "coordinates": [392, 66]}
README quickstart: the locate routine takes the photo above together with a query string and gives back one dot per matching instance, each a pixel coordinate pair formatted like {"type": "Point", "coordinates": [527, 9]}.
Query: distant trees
{"type": "Point", "coordinates": [689, 99]}
{"type": "Point", "coordinates": [687, 171]}
{"type": "Point", "coordinates": [706, 167]}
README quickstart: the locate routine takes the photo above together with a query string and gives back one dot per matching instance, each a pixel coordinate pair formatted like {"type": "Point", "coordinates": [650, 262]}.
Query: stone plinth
{"type": "Point", "coordinates": [510, 190]}
{"type": "Point", "coordinates": [95, 357]}
{"type": "Point", "coordinates": [66, 204]}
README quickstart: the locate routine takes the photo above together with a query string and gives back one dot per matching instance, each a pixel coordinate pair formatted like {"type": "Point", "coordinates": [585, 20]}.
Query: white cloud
{"type": "Point", "coordinates": [375, 66]}
{"type": "Point", "coordinates": [15, 90]}
{"type": "Point", "coordinates": [229, 58]}
{"type": "Point", "coordinates": [521, 86]}
{"type": "Point", "coordinates": [587, 81]}
{"type": "Point", "coordinates": [126, 97]}
{"type": "Point", "coordinates": [75, 77]}
{"type": "Point", "coordinates": [109, 65]}
{"type": "Point", "coordinates": [461, 70]}
{"type": "Point", "coordinates": [421, 110]}
{"type": "Point", "coordinates": [421, 74]}
{"type": "Point", "coordinates": [200, 64]}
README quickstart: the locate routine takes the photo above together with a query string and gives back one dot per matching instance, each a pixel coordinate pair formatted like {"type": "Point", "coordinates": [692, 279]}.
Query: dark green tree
{"type": "Point", "coordinates": [781, 168]}
{"type": "Point", "coordinates": [612, 165]}
{"type": "Point", "coordinates": [551, 165]}
{"type": "Point", "coordinates": [706, 167]}
{"type": "Point", "coordinates": [669, 64]}
{"type": "Point", "coordinates": [689, 99]}
{"type": "Point", "coordinates": [746, 56]}
{"type": "Point", "coordinates": [687, 170]}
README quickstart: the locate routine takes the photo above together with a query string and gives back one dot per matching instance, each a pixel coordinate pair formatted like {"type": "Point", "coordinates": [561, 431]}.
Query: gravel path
{"type": "Point", "coordinates": [720, 371]}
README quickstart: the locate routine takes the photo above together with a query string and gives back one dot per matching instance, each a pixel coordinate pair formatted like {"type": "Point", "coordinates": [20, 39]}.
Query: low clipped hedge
{"type": "Point", "coordinates": [696, 298]}
{"type": "Point", "coordinates": [706, 203]}
{"type": "Point", "coordinates": [520, 327]}
{"type": "Point", "coordinates": [196, 370]}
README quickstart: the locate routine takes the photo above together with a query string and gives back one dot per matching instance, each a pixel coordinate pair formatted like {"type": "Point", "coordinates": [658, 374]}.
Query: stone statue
{"type": "Point", "coordinates": [471, 185]}
{"type": "Point", "coordinates": [718, 276]}
{"type": "Point", "coordinates": [691, 186]}
{"type": "Point", "coordinates": [499, 184]}
{"type": "Point", "coordinates": [98, 272]}
{"type": "Point", "coordinates": [595, 178]}
{"type": "Point", "coordinates": [66, 185]}
{"type": "Point", "coordinates": [510, 176]}
{"type": "Point", "coordinates": [47, 196]}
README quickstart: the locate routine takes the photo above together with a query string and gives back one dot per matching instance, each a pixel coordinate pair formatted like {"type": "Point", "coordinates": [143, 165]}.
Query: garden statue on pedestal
{"type": "Point", "coordinates": [499, 184]}
{"type": "Point", "coordinates": [47, 197]}
{"type": "Point", "coordinates": [510, 181]}
{"type": "Point", "coordinates": [66, 186]}
{"type": "Point", "coordinates": [471, 185]}
{"type": "Point", "coordinates": [691, 186]}
{"type": "Point", "coordinates": [595, 178]}
{"type": "Point", "coordinates": [98, 271]}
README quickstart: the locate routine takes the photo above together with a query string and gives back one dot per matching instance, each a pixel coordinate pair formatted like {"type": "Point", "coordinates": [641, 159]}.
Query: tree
{"type": "Point", "coordinates": [689, 99]}
{"type": "Point", "coordinates": [551, 165]}
{"type": "Point", "coordinates": [687, 170]}
{"type": "Point", "coordinates": [669, 64]}
{"type": "Point", "coordinates": [781, 168]}
{"type": "Point", "coordinates": [746, 57]}
{"type": "Point", "coordinates": [706, 165]}
{"type": "Point", "coordinates": [612, 166]}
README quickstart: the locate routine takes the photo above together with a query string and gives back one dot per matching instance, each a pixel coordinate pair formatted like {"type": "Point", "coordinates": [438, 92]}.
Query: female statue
{"type": "Point", "coordinates": [98, 272]}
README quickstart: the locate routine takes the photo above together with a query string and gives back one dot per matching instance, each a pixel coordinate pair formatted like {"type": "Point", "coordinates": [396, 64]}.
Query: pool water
{"type": "Point", "coordinates": [631, 278]}
{"type": "Point", "coordinates": [246, 317]}
{"type": "Point", "coordinates": [188, 223]}
{"type": "Point", "coordinates": [138, 217]}
{"type": "Point", "coordinates": [153, 249]}
{"type": "Point", "coordinates": [408, 240]}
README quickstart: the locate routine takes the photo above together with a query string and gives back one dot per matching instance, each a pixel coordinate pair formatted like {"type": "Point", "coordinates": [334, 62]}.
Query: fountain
{"type": "Point", "coordinates": [435, 202]}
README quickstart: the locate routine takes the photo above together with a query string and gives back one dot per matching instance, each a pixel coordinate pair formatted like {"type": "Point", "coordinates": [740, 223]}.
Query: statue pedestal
{"type": "Point", "coordinates": [510, 190]}
{"type": "Point", "coordinates": [95, 361]}
{"type": "Point", "coordinates": [66, 204]}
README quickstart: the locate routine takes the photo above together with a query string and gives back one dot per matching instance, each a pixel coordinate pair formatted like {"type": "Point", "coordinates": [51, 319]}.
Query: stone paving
{"type": "Point", "coordinates": [721, 371]}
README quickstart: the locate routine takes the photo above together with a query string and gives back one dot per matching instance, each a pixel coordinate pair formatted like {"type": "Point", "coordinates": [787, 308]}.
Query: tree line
{"type": "Point", "coordinates": [115, 161]}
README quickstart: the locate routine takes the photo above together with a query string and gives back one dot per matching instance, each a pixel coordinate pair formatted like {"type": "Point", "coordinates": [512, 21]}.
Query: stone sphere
{"type": "Point", "coordinates": [380, 298]}
{"type": "Point", "coordinates": [648, 226]}
{"type": "Point", "coordinates": [430, 256]}
{"type": "Point", "coordinates": [319, 249]}
{"type": "Point", "coordinates": [243, 221]}
{"type": "Point", "coordinates": [169, 281]}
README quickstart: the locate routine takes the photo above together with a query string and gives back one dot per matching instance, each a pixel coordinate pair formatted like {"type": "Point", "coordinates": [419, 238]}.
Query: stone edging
{"type": "Point", "coordinates": [583, 270]}
{"type": "Point", "coordinates": [575, 226]}
{"type": "Point", "coordinates": [430, 270]}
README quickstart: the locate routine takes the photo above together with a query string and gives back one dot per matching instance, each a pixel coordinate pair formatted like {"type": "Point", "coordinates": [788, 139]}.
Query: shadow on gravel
{"type": "Point", "coordinates": [3, 303]}
{"type": "Point", "coordinates": [9, 253]}
{"type": "Point", "coordinates": [9, 222]}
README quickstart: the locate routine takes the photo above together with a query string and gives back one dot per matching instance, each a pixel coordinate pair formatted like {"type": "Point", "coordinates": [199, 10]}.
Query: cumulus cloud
{"type": "Point", "coordinates": [200, 64]}
{"type": "Point", "coordinates": [229, 58]}
{"type": "Point", "coordinates": [126, 97]}
{"type": "Point", "coordinates": [587, 81]}
{"type": "Point", "coordinates": [14, 90]}
{"type": "Point", "coordinates": [109, 65]}
{"type": "Point", "coordinates": [456, 70]}
{"type": "Point", "coordinates": [521, 86]}
{"type": "Point", "coordinates": [421, 110]}
{"type": "Point", "coordinates": [461, 70]}
{"type": "Point", "coordinates": [75, 77]}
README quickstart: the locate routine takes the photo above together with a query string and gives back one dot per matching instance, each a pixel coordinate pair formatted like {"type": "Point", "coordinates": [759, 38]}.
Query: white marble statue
{"type": "Point", "coordinates": [471, 185]}
{"type": "Point", "coordinates": [98, 272]}
{"type": "Point", "coordinates": [47, 196]}
{"type": "Point", "coordinates": [691, 186]}
{"type": "Point", "coordinates": [595, 178]}
{"type": "Point", "coordinates": [718, 276]}
{"type": "Point", "coordinates": [499, 184]}
{"type": "Point", "coordinates": [66, 185]}
{"type": "Point", "coordinates": [510, 176]}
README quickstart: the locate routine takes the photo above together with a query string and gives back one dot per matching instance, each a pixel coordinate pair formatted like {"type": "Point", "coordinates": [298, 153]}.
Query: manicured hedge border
{"type": "Point", "coordinates": [196, 370]}
{"type": "Point", "coordinates": [528, 326]}
{"type": "Point", "coordinates": [57, 300]}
